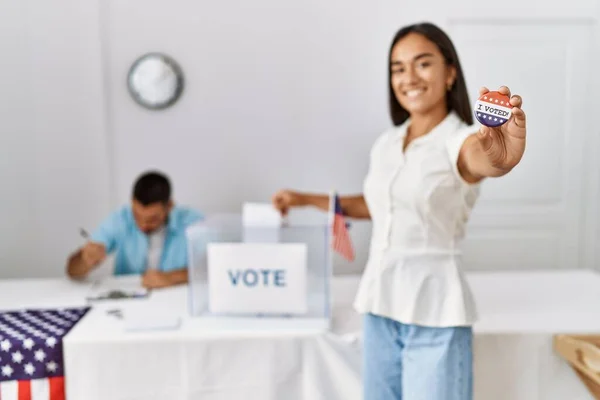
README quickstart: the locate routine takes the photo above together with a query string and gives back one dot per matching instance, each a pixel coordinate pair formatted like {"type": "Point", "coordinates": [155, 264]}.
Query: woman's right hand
{"type": "Point", "coordinates": [285, 199]}
{"type": "Point", "coordinates": [353, 206]}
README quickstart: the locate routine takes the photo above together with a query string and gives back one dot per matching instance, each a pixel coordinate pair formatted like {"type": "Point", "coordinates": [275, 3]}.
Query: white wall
{"type": "Point", "coordinates": [277, 95]}
{"type": "Point", "coordinates": [268, 85]}
{"type": "Point", "coordinates": [532, 218]}
{"type": "Point", "coordinates": [53, 150]}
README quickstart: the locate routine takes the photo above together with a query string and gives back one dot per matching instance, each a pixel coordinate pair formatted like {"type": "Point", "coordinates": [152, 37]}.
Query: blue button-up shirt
{"type": "Point", "coordinates": [120, 233]}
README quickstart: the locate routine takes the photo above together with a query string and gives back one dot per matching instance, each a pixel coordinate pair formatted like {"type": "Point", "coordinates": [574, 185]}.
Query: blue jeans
{"type": "Point", "coordinates": [410, 362]}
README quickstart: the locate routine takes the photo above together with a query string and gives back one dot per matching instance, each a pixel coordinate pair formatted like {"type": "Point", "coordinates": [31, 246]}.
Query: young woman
{"type": "Point", "coordinates": [422, 183]}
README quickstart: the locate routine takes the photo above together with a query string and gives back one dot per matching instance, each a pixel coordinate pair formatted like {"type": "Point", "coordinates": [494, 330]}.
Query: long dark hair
{"type": "Point", "coordinates": [457, 98]}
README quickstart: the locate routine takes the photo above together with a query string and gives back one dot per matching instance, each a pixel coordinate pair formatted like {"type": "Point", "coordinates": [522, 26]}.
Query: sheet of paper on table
{"type": "Point", "coordinates": [149, 320]}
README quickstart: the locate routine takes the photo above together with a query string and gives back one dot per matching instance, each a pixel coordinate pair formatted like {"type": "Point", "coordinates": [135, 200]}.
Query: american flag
{"type": "Point", "coordinates": [31, 353]}
{"type": "Point", "coordinates": [341, 238]}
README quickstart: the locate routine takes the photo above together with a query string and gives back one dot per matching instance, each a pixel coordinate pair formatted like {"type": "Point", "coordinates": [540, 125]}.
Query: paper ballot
{"type": "Point", "coordinates": [261, 222]}
{"type": "Point", "coordinates": [260, 214]}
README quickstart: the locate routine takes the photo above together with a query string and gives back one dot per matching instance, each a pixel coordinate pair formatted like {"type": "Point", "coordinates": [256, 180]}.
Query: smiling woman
{"type": "Point", "coordinates": [421, 186]}
{"type": "Point", "coordinates": [425, 73]}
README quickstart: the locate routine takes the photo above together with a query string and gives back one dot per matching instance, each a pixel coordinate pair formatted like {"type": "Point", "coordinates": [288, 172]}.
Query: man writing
{"type": "Point", "coordinates": [148, 237]}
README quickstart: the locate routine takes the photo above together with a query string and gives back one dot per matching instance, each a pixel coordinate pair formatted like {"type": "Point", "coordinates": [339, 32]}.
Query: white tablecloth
{"type": "Point", "coordinates": [207, 359]}
{"type": "Point", "coordinates": [514, 360]}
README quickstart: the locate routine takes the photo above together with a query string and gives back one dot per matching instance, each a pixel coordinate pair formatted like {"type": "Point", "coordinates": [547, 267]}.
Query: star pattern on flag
{"type": "Point", "coordinates": [5, 345]}
{"type": "Point", "coordinates": [51, 366]}
{"type": "Point", "coordinates": [29, 369]}
{"type": "Point", "coordinates": [51, 342]}
{"type": "Point", "coordinates": [17, 357]}
{"type": "Point", "coordinates": [40, 355]}
{"type": "Point", "coordinates": [31, 342]}
{"type": "Point", "coordinates": [28, 343]}
{"type": "Point", "coordinates": [7, 371]}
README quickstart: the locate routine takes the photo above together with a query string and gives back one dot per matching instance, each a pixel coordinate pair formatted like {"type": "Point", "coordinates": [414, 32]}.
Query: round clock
{"type": "Point", "coordinates": [155, 81]}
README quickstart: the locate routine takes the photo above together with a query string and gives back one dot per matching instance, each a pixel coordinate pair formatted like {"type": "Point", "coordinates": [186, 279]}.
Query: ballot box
{"type": "Point", "coordinates": [252, 273]}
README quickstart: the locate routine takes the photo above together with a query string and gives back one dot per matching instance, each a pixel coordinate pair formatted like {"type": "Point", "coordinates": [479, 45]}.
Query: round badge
{"type": "Point", "coordinates": [493, 109]}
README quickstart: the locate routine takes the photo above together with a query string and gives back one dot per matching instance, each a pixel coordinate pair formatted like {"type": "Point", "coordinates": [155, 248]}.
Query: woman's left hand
{"type": "Point", "coordinates": [505, 144]}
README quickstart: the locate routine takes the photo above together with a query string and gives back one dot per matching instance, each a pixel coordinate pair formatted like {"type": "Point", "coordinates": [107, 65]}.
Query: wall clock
{"type": "Point", "coordinates": [155, 81]}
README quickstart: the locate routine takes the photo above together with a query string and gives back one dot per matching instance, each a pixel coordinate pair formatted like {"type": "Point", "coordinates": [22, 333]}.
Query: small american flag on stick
{"type": "Point", "coordinates": [341, 238]}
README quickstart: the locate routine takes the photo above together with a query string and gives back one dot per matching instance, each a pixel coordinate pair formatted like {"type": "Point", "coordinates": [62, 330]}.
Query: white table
{"type": "Point", "coordinates": [520, 312]}
{"type": "Point", "coordinates": [32, 293]}
{"type": "Point", "coordinates": [205, 359]}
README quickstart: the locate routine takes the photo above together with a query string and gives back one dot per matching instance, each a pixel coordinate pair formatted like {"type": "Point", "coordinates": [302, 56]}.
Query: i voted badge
{"type": "Point", "coordinates": [493, 109]}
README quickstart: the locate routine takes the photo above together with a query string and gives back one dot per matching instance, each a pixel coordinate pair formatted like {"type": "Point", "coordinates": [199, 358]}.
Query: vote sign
{"type": "Point", "coordinates": [257, 278]}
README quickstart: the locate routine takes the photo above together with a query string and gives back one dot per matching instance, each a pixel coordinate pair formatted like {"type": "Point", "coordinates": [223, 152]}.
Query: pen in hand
{"type": "Point", "coordinates": [84, 234]}
{"type": "Point", "coordinates": [92, 253]}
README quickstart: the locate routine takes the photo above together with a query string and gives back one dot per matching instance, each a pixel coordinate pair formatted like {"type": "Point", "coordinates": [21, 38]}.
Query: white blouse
{"type": "Point", "coordinates": [419, 206]}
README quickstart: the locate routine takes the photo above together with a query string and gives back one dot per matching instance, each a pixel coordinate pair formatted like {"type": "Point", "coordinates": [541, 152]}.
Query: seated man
{"type": "Point", "coordinates": [148, 237]}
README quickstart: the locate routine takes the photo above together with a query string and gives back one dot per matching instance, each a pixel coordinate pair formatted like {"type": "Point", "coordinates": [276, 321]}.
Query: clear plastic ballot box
{"type": "Point", "coordinates": [255, 274]}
